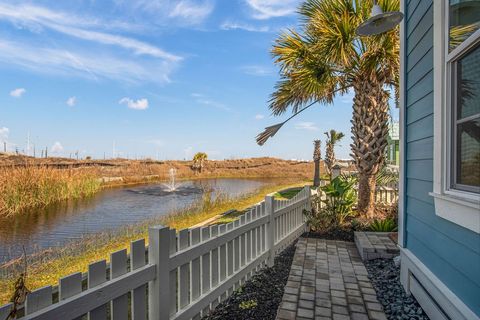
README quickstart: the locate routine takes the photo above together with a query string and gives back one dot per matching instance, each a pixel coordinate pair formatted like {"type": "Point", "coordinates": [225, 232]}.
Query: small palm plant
{"type": "Point", "coordinates": [333, 137]}
{"type": "Point", "coordinates": [316, 159]}
{"type": "Point", "coordinates": [199, 161]}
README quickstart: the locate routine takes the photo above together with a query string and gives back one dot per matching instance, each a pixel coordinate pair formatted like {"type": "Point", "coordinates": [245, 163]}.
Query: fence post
{"type": "Point", "coordinates": [308, 193]}
{"type": "Point", "coordinates": [270, 230]}
{"type": "Point", "coordinates": [159, 254]}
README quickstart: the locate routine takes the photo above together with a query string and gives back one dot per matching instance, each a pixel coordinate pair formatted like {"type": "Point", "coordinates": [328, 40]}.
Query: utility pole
{"type": "Point", "coordinates": [28, 143]}
{"type": "Point", "coordinates": [113, 150]}
{"type": "Point", "coordinates": [5, 146]}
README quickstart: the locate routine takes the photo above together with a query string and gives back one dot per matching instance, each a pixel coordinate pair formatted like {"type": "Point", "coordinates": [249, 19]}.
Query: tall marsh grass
{"type": "Point", "coordinates": [23, 188]}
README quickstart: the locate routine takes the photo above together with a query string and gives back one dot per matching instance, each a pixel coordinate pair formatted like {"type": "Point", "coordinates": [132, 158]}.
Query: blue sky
{"type": "Point", "coordinates": [157, 78]}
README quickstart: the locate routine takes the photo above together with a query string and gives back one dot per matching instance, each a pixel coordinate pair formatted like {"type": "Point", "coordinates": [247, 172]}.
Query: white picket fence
{"type": "Point", "coordinates": [187, 273]}
{"type": "Point", "coordinates": [386, 195]}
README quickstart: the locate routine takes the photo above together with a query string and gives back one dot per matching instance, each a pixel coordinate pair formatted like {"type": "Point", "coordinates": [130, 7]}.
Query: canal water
{"type": "Point", "coordinates": [110, 209]}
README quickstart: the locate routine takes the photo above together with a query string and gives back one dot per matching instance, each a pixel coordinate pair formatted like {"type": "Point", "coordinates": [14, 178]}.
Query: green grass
{"type": "Point", "coordinates": [47, 267]}
{"type": "Point", "coordinates": [287, 194]}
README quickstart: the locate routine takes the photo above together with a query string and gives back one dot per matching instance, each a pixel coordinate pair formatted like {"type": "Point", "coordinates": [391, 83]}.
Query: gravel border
{"type": "Point", "coordinates": [260, 296]}
{"type": "Point", "coordinates": [385, 278]}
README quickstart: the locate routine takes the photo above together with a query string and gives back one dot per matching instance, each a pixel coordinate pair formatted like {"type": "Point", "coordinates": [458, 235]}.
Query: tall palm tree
{"type": "Point", "coordinates": [332, 138]}
{"type": "Point", "coordinates": [317, 156]}
{"type": "Point", "coordinates": [326, 58]}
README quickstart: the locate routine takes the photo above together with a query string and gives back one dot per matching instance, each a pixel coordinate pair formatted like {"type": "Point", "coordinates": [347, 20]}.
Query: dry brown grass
{"type": "Point", "coordinates": [22, 188]}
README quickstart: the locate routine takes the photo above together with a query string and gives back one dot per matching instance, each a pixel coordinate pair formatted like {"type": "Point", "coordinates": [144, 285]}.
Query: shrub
{"type": "Point", "coordinates": [385, 225]}
{"type": "Point", "coordinates": [332, 205]}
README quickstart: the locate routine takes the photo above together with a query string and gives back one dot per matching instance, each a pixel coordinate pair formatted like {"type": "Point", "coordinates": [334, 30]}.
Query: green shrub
{"type": "Point", "coordinates": [332, 206]}
{"type": "Point", "coordinates": [340, 198]}
{"type": "Point", "coordinates": [250, 304]}
{"type": "Point", "coordinates": [385, 225]}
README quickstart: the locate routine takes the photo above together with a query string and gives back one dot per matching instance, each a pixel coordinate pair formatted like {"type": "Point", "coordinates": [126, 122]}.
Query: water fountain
{"type": "Point", "coordinates": [171, 184]}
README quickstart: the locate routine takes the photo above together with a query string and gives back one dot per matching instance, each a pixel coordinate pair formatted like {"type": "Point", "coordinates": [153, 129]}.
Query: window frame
{"type": "Point", "coordinates": [451, 62]}
{"type": "Point", "coordinates": [458, 206]}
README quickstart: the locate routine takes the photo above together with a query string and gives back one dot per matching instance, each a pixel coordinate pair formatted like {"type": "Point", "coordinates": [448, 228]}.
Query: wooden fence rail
{"type": "Point", "coordinates": [185, 275]}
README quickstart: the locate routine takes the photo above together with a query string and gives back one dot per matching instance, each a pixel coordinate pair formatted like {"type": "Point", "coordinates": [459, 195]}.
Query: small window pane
{"type": "Point", "coordinates": [464, 20]}
{"type": "Point", "coordinates": [468, 153]}
{"type": "Point", "coordinates": [468, 84]}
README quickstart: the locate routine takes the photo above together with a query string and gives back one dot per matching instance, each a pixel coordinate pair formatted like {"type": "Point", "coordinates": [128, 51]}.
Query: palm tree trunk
{"type": "Point", "coordinates": [316, 177]}
{"type": "Point", "coordinates": [366, 194]}
{"type": "Point", "coordinates": [330, 158]}
{"type": "Point", "coordinates": [370, 130]}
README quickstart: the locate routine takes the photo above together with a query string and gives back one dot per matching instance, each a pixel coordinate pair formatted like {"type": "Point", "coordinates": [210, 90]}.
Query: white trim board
{"type": "Point", "coordinates": [436, 292]}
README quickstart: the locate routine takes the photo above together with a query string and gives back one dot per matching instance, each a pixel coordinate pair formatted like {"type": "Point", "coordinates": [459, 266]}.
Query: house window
{"type": "Point", "coordinates": [456, 112]}
{"type": "Point", "coordinates": [463, 63]}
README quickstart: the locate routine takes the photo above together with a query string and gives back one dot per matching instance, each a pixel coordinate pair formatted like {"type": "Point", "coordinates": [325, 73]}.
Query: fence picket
{"type": "Point", "coordinates": [215, 257]}
{"type": "Point", "coordinates": [206, 263]}
{"type": "Point", "coordinates": [173, 298]}
{"type": "Point", "coordinates": [70, 286]}
{"type": "Point", "coordinates": [5, 310]}
{"type": "Point", "coordinates": [195, 273]}
{"type": "Point", "coordinates": [97, 276]}
{"type": "Point", "coordinates": [38, 299]}
{"type": "Point", "coordinates": [184, 273]}
{"type": "Point", "coordinates": [118, 267]}
{"type": "Point", "coordinates": [223, 255]}
{"type": "Point", "coordinates": [139, 295]}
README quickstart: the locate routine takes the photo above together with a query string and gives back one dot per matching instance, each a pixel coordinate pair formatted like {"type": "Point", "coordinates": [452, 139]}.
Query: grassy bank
{"type": "Point", "coordinates": [48, 266]}
{"type": "Point", "coordinates": [22, 188]}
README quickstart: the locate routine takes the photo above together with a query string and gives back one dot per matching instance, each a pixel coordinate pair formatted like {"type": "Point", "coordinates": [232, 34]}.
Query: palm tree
{"type": "Point", "coordinates": [317, 156]}
{"type": "Point", "coordinates": [327, 58]}
{"type": "Point", "coordinates": [199, 160]}
{"type": "Point", "coordinates": [332, 138]}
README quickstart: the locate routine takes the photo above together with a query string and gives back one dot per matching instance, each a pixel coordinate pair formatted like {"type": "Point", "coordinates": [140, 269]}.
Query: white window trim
{"type": "Point", "coordinates": [460, 207]}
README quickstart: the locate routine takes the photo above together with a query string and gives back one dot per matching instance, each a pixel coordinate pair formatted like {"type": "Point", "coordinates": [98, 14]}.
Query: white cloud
{"type": "Point", "coordinates": [306, 126]}
{"type": "Point", "coordinates": [259, 71]}
{"type": "Point", "coordinates": [56, 147]}
{"type": "Point", "coordinates": [266, 9]}
{"type": "Point", "coordinates": [205, 100]}
{"type": "Point", "coordinates": [84, 64]}
{"type": "Point", "coordinates": [37, 18]}
{"type": "Point", "coordinates": [192, 12]}
{"type": "Point", "coordinates": [140, 104]}
{"type": "Point", "coordinates": [259, 117]}
{"type": "Point", "coordinates": [228, 25]}
{"type": "Point", "coordinates": [17, 93]}
{"type": "Point", "coordinates": [72, 101]}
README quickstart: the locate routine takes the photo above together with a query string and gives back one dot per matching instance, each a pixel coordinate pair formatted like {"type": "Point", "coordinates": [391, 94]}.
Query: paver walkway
{"type": "Point", "coordinates": [328, 281]}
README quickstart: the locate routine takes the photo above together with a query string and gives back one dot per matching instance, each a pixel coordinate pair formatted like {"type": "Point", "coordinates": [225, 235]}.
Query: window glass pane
{"type": "Point", "coordinates": [464, 19]}
{"type": "Point", "coordinates": [468, 153]}
{"type": "Point", "coordinates": [468, 84]}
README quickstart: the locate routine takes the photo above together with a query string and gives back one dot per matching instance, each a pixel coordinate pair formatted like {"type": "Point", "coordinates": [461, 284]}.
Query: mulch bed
{"type": "Point", "coordinates": [385, 278]}
{"type": "Point", "coordinates": [260, 296]}
{"type": "Point", "coordinates": [343, 234]}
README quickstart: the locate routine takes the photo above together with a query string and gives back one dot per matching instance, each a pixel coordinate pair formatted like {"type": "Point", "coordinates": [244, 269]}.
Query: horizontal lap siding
{"type": "Point", "coordinates": [451, 252]}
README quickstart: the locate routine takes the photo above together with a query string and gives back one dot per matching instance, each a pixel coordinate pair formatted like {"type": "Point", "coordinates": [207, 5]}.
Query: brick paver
{"type": "Point", "coordinates": [375, 245]}
{"type": "Point", "coordinates": [328, 281]}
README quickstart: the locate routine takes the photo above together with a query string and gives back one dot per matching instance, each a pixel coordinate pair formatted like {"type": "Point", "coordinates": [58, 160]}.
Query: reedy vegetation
{"type": "Point", "coordinates": [325, 59]}
{"type": "Point", "coordinates": [22, 188]}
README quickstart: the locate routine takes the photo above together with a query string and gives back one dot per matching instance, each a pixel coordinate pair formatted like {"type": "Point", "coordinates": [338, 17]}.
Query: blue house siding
{"type": "Point", "coordinates": [451, 252]}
